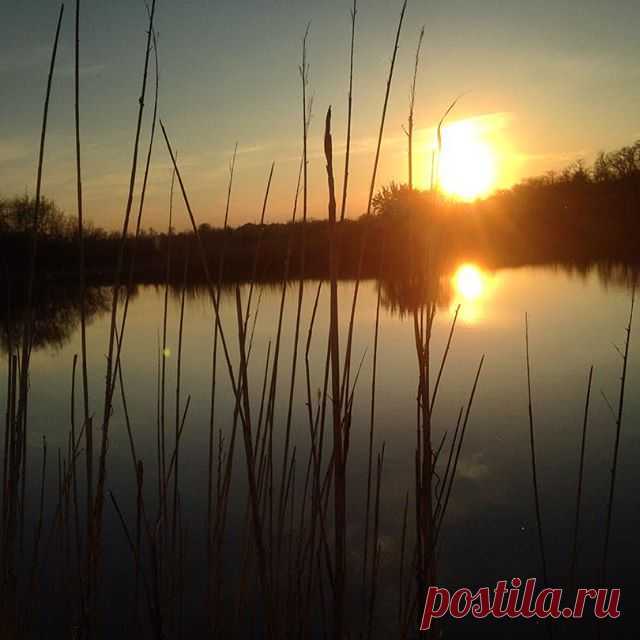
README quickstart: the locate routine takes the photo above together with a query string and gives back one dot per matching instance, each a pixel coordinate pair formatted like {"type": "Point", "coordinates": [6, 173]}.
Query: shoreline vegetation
{"type": "Point", "coordinates": [581, 214]}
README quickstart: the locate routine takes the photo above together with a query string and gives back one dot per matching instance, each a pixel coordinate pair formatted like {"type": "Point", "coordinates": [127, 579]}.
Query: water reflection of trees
{"type": "Point", "coordinates": [403, 292]}
{"type": "Point", "coordinates": [618, 275]}
{"type": "Point", "coordinates": [56, 310]}
{"type": "Point", "coordinates": [55, 313]}
{"type": "Point", "coordinates": [404, 295]}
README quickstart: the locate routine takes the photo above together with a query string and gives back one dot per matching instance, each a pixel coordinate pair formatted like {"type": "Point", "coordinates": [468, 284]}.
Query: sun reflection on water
{"type": "Point", "coordinates": [470, 287]}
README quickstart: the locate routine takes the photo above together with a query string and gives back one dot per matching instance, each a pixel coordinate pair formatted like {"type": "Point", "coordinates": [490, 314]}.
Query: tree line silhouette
{"type": "Point", "coordinates": [578, 215]}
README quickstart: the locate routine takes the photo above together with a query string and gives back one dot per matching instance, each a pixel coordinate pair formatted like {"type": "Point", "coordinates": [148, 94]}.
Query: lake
{"type": "Point", "coordinates": [576, 318]}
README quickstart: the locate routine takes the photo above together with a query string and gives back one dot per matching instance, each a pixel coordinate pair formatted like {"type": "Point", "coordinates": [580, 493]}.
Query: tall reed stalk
{"type": "Point", "coordinates": [97, 508]}
{"type": "Point", "coordinates": [212, 410]}
{"type": "Point", "coordinates": [412, 103]}
{"type": "Point", "coordinates": [384, 107]}
{"type": "Point", "coordinates": [372, 410]}
{"type": "Point", "coordinates": [19, 383]}
{"type": "Point", "coordinates": [576, 524]}
{"type": "Point", "coordinates": [536, 494]}
{"type": "Point", "coordinates": [363, 244]}
{"type": "Point", "coordinates": [435, 156]}
{"type": "Point", "coordinates": [338, 431]}
{"type": "Point", "coordinates": [257, 253]}
{"type": "Point", "coordinates": [616, 445]}
{"type": "Point", "coordinates": [81, 251]}
{"type": "Point", "coordinates": [375, 563]}
{"type": "Point", "coordinates": [306, 109]}
{"type": "Point", "coordinates": [178, 403]}
{"type": "Point", "coordinates": [345, 183]}
{"type": "Point", "coordinates": [164, 354]}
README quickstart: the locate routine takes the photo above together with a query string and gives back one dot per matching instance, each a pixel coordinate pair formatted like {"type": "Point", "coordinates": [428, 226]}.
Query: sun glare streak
{"type": "Point", "coordinates": [467, 163]}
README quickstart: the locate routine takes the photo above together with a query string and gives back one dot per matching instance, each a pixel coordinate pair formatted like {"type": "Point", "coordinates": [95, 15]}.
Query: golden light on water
{"type": "Point", "coordinates": [469, 282]}
{"type": "Point", "coordinates": [470, 286]}
{"type": "Point", "coordinates": [467, 162]}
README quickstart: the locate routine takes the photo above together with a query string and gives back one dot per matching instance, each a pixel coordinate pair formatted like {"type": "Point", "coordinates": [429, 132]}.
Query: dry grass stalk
{"type": "Point", "coordinates": [338, 431]}
{"type": "Point", "coordinates": [177, 408]}
{"type": "Point", "coordinates": [258, 531]}
{"type": "Point", "coordinates": [205, 266]}
{"type": "Point", "coordinates": [143, 191]}
{"type": "Point", "coordinates": [536, 494]}
{"type": "Point", "coordinates": [375, 563]}
{"type": "Point", "coordinates": [616, 446]}
{"type": "Point", "coordinates": [371, 427]}
{"type": "Point", "coordinates": [435, 156]}
{"type": "Point", "coordinates": [214, 368]}
{"type": "Point", "coordinates": [17, 462]}
{"type": "Point", "coordinates": [306, 115]}
{"type": "Point", "coordinates": [95, 518]}
{"type": "Point", "coordinates": [345, 183]}
{"type": "Point", "coordinates": [443, 362]}
{"type": "Point", "coordinates": [72, 463]}
{"type": "Point", "coordinates": [384, 107]}
{"type": "Point", "coordinates": [412, 102]}
{"type": "Point", "coordinates": [81, 251]}
{"type": "Point", "coordinates": [576, 524]}
{"type": "Point", "coordinates": [137, 474]}
{"type": "Point", "coordinates": [256, 255]}
{"type": "Point", "coordinates": [457, 454]}
{"type": "Point", "coordinates": [346, 374]}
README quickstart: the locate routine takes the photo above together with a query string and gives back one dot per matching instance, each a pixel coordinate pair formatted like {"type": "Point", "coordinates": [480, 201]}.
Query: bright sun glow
{"type": "Point", "coordinates": [467, 167]}
{"type": "Point", "coordinates": [471, 287]}
{"type": "Point", "coordinates": [469, 282]}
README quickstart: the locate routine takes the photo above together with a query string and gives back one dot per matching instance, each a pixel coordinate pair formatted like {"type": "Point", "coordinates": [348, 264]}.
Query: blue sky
{"type": "Point", "coordinates": [553, 80]}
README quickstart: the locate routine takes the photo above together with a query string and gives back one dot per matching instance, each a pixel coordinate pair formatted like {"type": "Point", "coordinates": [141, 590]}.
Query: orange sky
{"type": "Point", "coordinates": [545, 83]}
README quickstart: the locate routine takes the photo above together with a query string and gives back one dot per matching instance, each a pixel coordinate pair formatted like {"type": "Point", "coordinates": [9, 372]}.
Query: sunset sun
{"type": "Point", "coordinates": [466, 167]}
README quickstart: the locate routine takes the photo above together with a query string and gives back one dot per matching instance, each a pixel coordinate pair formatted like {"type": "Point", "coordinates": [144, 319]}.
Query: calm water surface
{"type": "Point", "coordinates": [574, 322]}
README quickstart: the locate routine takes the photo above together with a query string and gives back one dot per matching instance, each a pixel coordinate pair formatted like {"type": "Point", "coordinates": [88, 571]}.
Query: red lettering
{"type": "Point", "coordinates": [498, 599]}
{"type": "Point", "coordinates": [602, 610]}
{"type": "Point", "coordinates": [581, 596]}
{"type": "Point", "coordinates": [482, 608]}
{"type": "Point", "coordinates": [457, 610]}
{"type": "Point", "coordinates": [544, 610]}
{"type": "Point", "coordinates": [527, 599]}
{"type": "Point", "coordinates": [430, 610]}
